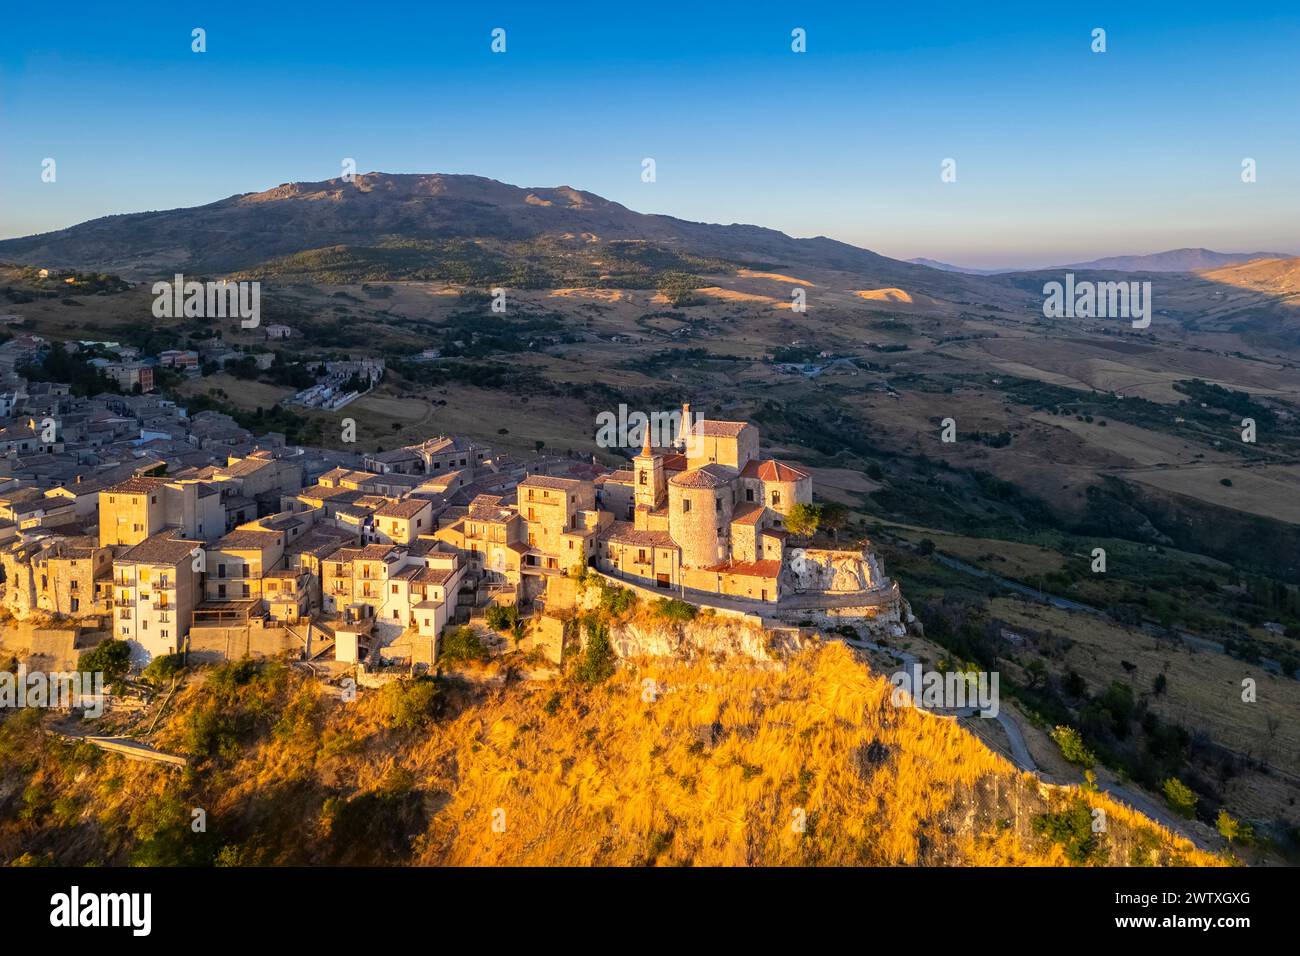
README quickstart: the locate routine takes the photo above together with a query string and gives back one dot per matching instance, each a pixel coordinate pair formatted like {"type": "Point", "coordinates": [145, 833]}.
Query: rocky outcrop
{"type": "Point", "coordinates": [821, 570]}
{"type": "Point", "coordinates": [705, 637]}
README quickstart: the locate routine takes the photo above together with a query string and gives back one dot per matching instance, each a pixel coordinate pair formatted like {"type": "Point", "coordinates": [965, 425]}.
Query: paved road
{"type": "Point", "coordinates": [1024, 760]}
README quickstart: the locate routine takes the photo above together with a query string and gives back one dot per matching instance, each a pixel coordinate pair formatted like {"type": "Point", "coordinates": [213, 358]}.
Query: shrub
{"type": "Point", "coordinates": [598, 659]}
{"type": "Point", "coordinates": [1073, 748]}
{"type": "Point", "coordinates": [502, 617]}
{"type": "Point", "coordinates": [462, 644]}
{"type": "Point", "coordinates": [1072, 829]}
{"type": "Point", "coordinates": [409, 704]}
{"type": "Point", "coordinates": [674, 610]}
{"type": "Point", "coordinates": [163, 668]}
{"type": "Point", "coordinates": [1179, 797]}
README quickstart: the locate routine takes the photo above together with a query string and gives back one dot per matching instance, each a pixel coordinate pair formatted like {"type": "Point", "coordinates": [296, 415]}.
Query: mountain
{"type": "Point", "coordinates": [452, 227]}
{"type": "Point", "coordinates": [1174, 260]}
{"type": "Point", "coordinates": [949, 267]}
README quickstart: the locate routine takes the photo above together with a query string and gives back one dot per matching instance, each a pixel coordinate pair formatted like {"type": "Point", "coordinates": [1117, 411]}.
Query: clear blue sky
{"type": "Point", "coordinates": [1061, 153]}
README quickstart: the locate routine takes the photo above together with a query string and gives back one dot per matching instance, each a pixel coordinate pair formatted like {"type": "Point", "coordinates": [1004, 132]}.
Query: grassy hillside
{"type": "Point", "coordinates": [716, 766]}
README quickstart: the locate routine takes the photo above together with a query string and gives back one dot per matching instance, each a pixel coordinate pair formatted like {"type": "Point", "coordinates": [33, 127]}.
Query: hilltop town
{"type": "Point", "coordinates": [124, 517]}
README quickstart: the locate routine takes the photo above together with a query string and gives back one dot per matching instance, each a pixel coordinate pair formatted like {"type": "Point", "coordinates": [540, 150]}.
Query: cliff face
{"type": "Point", "coordinates": [705, 637]}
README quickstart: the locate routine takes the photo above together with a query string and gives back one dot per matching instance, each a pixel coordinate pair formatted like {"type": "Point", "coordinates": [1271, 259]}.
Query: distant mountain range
{"type": "Point", "coordinates": [1173, 260]}
{"type": "Point", "coordinates": [454, 228]}
{"type": "Point", "coordinates": [949, 267]}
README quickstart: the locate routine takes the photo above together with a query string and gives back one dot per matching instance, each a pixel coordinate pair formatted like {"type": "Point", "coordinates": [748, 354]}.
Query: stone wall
{"type": "Point", "coordinates": [245, 640]}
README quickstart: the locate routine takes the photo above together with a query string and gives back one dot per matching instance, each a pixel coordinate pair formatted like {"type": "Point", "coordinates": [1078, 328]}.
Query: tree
{"type": "Point", "coordinates": [111, 657]}
{"type": "Point", "coordinates": [1072, 747]}
{"type": "Point", "coordinates": [1179, 797]}
{"type": "Point", "coordinates": [803, 520]}
{"type": "Point", "coordinates": [834, 517]}
{"type": "Point", "coordinates": [1231, 829]}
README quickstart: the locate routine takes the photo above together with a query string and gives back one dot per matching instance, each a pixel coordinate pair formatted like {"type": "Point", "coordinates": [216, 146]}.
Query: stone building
{"type": "Point", "coordinates": [156, 586]}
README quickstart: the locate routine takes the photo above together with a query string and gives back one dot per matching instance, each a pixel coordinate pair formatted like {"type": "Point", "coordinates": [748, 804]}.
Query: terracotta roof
{"type": "Point", "coordinates": [748, 514]}
{"type": "Point", "coordinates": [709, 428]}
{"type": "Point", "coordinates": [245, 538]}
{"type": "Point", "coordinates": [319, 542]}
{"type": "Point", "coordinates": [547, 481]}
{"type": "Point", "coordinates": [406, 508]}
{"type": "Point", "coordinates": [487, 508]}
{"type": "Point", "coordinates": [709, 476]}
{"type": "Point", "coordinates": [624, 532]}
{"type": "Point", "coordinates": [773, 470]}
{"type": "Point", "coordinates": [135, 486]}
{"type": "Point", "coordinates": [160, 548]}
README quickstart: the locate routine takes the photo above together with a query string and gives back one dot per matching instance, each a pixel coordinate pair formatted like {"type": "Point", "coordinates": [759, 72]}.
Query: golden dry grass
{"type": "Point", "coordinates": [717, 769]}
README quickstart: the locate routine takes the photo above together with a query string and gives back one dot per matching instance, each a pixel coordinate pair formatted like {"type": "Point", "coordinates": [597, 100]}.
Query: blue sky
{"type": "Point", "coordinates": [1062, 154]}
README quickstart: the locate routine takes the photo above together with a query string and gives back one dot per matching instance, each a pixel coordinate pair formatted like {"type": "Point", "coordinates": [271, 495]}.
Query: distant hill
{"type": "Point", "coordinates": [1174, 260]}
{"type": "Point", "coordinates": [949, 267]}
{"type": "Point", "coordinates": [1277, 276]}
{"type": "Point", "coordinates": [454, 228]}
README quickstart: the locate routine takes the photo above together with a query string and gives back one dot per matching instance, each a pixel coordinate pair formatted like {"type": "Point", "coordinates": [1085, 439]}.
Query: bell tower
{"type": "Point", "coordinates": [651, 488]}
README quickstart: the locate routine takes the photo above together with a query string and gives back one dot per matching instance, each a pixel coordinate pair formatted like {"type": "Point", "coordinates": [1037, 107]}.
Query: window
{"type": "Point", "coordinates": [73, 584]}
{"type": "Point", "coordinates": [221, 570]}
{"type": "Point", "coordinates": [643, 477]}
{"type": "Point", "coordinates": [394, 613]}
{"type": "Point", "coordinates": [245, 590]}
{"type": "Point", "coordinates": [394, 588]}
{"type": "Point", "coordinates": [776, 498]}
{"type": "Point", "coordinates": [221, 590]}
{"type": "Point", "coordinates": [686, 505]}
{"type": "Point", "coordinates": [717, 505]}
{"type": "Point", "coordinates": [749, 494]}
{"type": "Point", "coordinates": [76, 605]}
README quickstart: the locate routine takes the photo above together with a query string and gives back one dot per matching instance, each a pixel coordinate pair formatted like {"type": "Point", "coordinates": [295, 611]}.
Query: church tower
{"type": "Point", "coordinates": [651, 489]}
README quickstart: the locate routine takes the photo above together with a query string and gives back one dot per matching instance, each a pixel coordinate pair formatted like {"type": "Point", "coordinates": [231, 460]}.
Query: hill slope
{"type": "Point", "coordinates": [713, 771]}
{"type": "Point", "coordinates": [1173, 260]}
